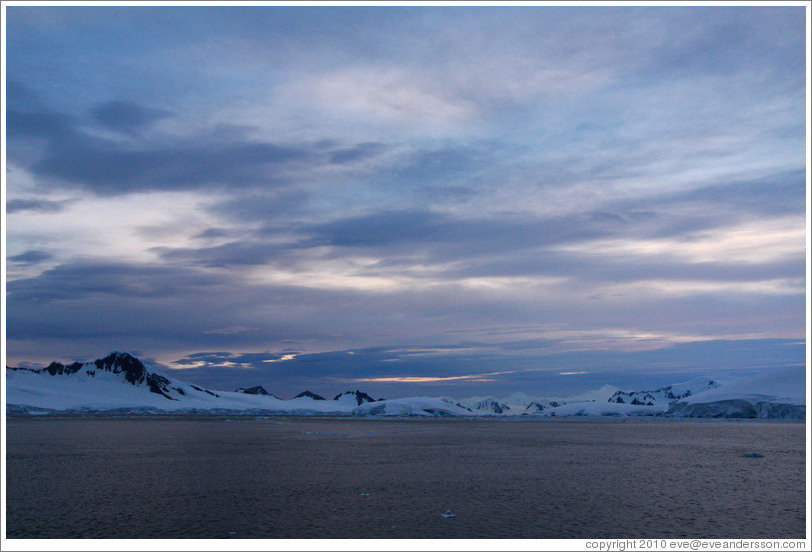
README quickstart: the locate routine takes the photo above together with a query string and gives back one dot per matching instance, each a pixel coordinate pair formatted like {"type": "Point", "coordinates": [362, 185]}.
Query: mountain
{"type": "Point", "coordinates": [780, 394]}
{"type": "Point", "coordinates": [356, 397]}
{"type": "Point", "coordinates": [256, 390]}
{"type": "Point", "coordinates": [309, 395]}
{"type": "Point", "coordinates": [412, 406]}
{"type": "Point", "coordinates": [663, 395]}
{"type": "Point", "coordinates": [120, 383]}
{"type": "Point", "coordinates": [123, 365]}
{"type": "Point", "coordinates": [540, 405]}
{"type": "Point", "coordinates": [488, 405]}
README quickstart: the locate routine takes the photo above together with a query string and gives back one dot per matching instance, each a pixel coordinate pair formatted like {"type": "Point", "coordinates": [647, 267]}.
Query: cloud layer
{"type": "Point", "coordinates": [317, 181]}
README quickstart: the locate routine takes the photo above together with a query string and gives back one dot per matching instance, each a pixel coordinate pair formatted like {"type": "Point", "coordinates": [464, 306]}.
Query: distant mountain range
{"type": "Point", "coordinates": [121, 383]}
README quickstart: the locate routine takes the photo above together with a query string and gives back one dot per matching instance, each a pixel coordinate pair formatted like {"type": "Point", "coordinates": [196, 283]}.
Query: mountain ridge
{"type": "Point", "coordinates": [118, 381]}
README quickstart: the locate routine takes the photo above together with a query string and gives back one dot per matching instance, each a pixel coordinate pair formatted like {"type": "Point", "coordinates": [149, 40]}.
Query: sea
{"type": "Point", "coordinates": [285, 477]}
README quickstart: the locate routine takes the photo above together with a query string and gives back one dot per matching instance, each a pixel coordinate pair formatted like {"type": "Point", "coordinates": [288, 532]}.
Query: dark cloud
{"type": "Point", "coordinates": [264, 206]}
{"type": "Point", "coordinates": [210, 233]}
{"type": "Point", "coordinates": [32, 256]}
{"type": "Point", "coordinates": [107, 168]}
{"type": "Point", "coordinates": [39, 124]}
{"type": "Point", "coordinates": [523, 369]}
{"type": "Point", "coordinates": [777, 194]}
{"type": "Point", "coordinates": [81, 279]}
{"type": "Point", "coordinates": [223, 156]}
{"type": "Point", "coordinates": [226, 255]}
{"type": "Point", "coordinates": [359, 152]}
{"type": "Point", "coordinates": [35, 205]}
{"type": "Point", "coordinates": [464, 236]}
{"type": "Point", "coordinates": [128, 116]}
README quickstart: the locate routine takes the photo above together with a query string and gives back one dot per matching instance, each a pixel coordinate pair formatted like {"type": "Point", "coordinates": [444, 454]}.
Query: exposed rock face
{"type": "Point", "coordinates": [491, 406]}
{"type": "Point", "coordinates": [58, 369]}
{"type": "Point", "coordinates": [130, 368]}
{"type": "Point", "coordinates": [667, 393]}
{"type": "Point", "coordinates": [123, 363]}
{"type": "Point", "coordinates": [256, 390]}
{"type": "Point", "coordinates": [538, 406]}
{"type": "Point", "coordinates": [159, 384]}
{"type": "Point", "coordinates": [359, 396]}
{"type": "Point", "coordinates": [310, 395]}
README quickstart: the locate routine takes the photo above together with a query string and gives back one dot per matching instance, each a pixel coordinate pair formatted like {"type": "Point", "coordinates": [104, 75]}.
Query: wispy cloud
{"type": "Point", "coordinates": [487, 377]}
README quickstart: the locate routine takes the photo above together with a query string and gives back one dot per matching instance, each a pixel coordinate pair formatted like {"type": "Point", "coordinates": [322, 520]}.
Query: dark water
{"type": "Point", "coordinates": [317, 478]}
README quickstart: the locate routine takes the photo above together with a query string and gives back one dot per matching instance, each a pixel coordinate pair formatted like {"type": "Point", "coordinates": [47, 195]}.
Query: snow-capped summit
{"type": "Point", "coordinates": [122, 366]}
{"type": "Point", "coordinates": [489, 405]}
{"type": "Point", "coordinates": [778, 394]}
{"type": "Point", "coordinates": [354, 397]}
{"type": "Point", "coordinates": [120, 382]}
{"type": "Point", "coordinates": [664, 395]}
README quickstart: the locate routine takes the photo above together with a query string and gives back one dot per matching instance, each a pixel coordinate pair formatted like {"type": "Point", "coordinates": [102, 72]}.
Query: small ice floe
{"type": "Point", "coordinates": [753, 455]}
{"type": "Point", "coordinates": [232, 532]}
{"type": "Point", "coordinates": [364, 494]}
{"type": "Point", "coordinates": [448, 514]}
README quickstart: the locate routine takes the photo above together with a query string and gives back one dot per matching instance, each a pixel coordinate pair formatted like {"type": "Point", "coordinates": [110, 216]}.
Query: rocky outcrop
{"type": "Point", "coordinates": [490, 406]}
{"type": "Point", "coordinates": [309, 395]}
{"type": "Point", "coordinates": [358, 396]}
{"type": "Point", "coordinates": [256, 390]}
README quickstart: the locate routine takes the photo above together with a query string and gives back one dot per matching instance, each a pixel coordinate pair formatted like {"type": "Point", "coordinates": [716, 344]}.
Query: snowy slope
{"type": "Point", "coordinates": [595, 408]}
{"type": "Point", "coordinates": [121, 383]}
{"type": "Point", "coordinates": [664, 395]}
{"type": "Point", "coordinates": [489, 405]}
{"type": "Point", "coordinates": [412, 406]}
{"type": "Point", "coordinates": [779, 394]}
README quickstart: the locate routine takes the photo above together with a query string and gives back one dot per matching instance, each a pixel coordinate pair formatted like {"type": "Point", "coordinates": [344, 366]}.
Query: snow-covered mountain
{"type": "Point", "coordinates": [121, 383]}
{"type": "Point", "coordinates": [780, 394]}
{"type": "Point", "coordinates": [664, 395]}
{"type": "Point", "coordinates": [256, 390]}
{"type": "Point", "coordinates": [355, 398]}
{"type": "Point", "coordinates": [488, 405]}
{"type": "Point", "coordinates": [413, 406]}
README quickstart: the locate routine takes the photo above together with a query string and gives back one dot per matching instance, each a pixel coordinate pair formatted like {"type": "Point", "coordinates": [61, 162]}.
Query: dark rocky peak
{"type": "Point", "coordinates": [539, 406]}
{"type": "Point", "coordinates": [58, 369]}
{"type": "Point", "coordinates": [491, 405]}
{"type": "Point", "coordinates": [159, 384]}
{"type": "Point", "coordinates": [123, 363]}
{"type": "Point", "coordinates": [360, 397]}
{"type": "Point", "coordinates": [256, 390]}
{"type": "Point", "coordinates": [310, 395]}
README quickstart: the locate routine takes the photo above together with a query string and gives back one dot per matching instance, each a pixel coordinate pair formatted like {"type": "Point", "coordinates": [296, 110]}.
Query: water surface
{"type": "Point", "coordinates": [362, 478]}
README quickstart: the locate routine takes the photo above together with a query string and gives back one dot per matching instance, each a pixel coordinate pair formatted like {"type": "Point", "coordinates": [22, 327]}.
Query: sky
{"type": "Point", "coordinates": [408, 200]}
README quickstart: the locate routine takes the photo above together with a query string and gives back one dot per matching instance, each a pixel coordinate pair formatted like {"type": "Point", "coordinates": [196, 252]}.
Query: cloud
{"type": "Point", "coordinates": [34, 205]}
{"type": "Point", "coordinates": [127, 116]}
{"type": "Point", "coordinates": [219, 156]}
{"type": "Point", "coordinates": [78, 280]}
{"type": "Point", "coordinates": [32, 256]}
{"type": "Point", "coordinates": [231, 330]}
{"type": "Point", "coordinates": [326, 180]}
{"type": "Point", "coordinates": [468, 374]}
